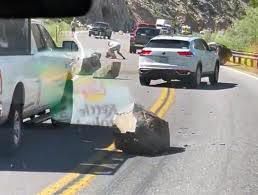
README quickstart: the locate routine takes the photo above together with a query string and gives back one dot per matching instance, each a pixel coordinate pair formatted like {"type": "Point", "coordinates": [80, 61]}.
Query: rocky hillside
{"type": "Point", "coordinates": [200, 14]}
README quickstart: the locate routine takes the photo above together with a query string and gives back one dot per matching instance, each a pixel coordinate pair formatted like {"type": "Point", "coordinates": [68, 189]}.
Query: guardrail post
{"type": "Point", "coordinates": [255, 63]}
{"type": "Point", "coordinates": [252, 63]}
{"type": "Point", "coordinates": [234, 59]}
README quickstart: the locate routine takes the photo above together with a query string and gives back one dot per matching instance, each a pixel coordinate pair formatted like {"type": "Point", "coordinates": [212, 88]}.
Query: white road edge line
{"type": "Point", "coordinates": [240, 72]}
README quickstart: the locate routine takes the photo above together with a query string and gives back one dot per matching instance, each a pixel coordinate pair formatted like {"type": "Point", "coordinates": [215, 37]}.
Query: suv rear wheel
{"type": "Point", "coordinates": [215, 76]}
{"type": "Point", "coordinates": [197, 77]}
{"type": "Point", "coordinates": [144, 81]}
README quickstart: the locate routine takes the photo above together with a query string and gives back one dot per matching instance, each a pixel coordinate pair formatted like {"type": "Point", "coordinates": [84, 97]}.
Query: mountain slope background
{"type": "Point", "coordinates": [200, 14]}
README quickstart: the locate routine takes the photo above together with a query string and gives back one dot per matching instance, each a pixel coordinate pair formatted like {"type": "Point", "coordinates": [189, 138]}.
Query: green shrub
{"type": "Point", "coordinates": [55, 28]}
{"type": "Point", "coordinates": [242, 36]}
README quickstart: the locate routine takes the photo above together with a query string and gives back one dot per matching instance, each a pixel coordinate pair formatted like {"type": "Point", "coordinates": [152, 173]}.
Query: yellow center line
{"type": "Point", "coordinates": [161, 106]}
{"type": "Point", "coordinates": [159, 101]}
{"type": "Point", "coordinates": [169, 102]}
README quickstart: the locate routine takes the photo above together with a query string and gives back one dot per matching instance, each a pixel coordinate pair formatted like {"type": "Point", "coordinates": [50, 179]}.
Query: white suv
{"type": "Point", "coordinates": [33, 76]}
{"type": "Point", "coordinates": [178, 57]}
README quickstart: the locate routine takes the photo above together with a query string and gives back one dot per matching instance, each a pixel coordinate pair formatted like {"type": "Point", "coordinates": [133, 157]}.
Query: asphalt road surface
{"type": "Point", "coordinates": [213, 133]}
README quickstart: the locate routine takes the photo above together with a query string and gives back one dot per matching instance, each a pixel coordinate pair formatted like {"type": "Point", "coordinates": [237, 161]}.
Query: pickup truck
{"type": "Point", "coordinates": [141, 37]}
{"type": "Point", "coordinates": [101, 29]}
{"type": "Point", "coordinates": [33, 76]}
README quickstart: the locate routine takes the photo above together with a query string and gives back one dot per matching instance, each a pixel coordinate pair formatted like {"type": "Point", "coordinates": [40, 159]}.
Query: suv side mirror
{"type": "Point", "coordinates": [70, 46]}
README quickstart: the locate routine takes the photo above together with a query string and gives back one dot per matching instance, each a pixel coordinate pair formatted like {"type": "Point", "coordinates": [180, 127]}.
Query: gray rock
{"type": "Point", "coordinates": [90, 64]}
{"type": "Point", "coordinates": [141, 132]}
{"type": "Point", "coordinates": [108, 72]}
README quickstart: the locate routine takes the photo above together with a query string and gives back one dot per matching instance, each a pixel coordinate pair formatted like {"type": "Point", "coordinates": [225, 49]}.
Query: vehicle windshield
{"type": "Point", "coordinates": [148, 31]}
{"type": "Point", "coordinates": [171, 44]}
{"type": "Point", "coordinates": [102, 25]}
{"type": "Point", "coordinates": [14, 37]}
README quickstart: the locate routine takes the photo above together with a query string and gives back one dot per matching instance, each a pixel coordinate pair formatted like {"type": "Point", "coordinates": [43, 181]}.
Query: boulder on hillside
{"type": "Point", "coordinates": [108, 72]}
{"type": "Point", "coordinates": [141, 132]}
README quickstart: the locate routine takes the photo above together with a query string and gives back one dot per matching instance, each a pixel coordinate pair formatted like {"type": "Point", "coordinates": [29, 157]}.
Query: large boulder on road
{"type": "Point", "coordinates": [223, 52]}
{"type": "Point", "coordinates": [90, 64]}
{"type": "Point", "coordinates": [141, 132]}
{"type": "Point", "coordinates": [108, 72]}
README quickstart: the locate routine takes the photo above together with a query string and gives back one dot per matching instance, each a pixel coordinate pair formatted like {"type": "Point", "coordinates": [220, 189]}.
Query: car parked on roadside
{"type": "Point", "coordinates": [141, 37]}
{"type": "Point", "coordinates": [101, 29]}
{"type": "Point", "coordinates": [178, 57]}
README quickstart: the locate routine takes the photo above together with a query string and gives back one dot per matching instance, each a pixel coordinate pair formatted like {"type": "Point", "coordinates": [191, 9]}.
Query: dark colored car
{"type": "Point", "coordinates": [141, 37]}
{"type": "Point", "coordinates": [101, 29]}
{"type": "Point", "coordinates": [141, 25]}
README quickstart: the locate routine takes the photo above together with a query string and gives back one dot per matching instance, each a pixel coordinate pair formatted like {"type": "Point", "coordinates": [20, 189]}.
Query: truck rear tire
{"type": "Point", "coordinates": [13, 130]}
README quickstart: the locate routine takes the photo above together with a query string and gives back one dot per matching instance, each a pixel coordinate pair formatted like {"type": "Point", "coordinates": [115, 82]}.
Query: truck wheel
{"type": "Point", "coordinates": [215, 76]}
{"type": "Point", "coordinates": [14, 131]}
{"type": "Point", "coordinates": [89, 34]}
{"type": "Point", "coordinates": [144, 81]}
{"type": "Point", "coordinates": [109, 37]}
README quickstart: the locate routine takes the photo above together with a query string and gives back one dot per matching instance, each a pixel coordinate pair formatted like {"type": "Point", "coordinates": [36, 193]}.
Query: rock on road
{"type": "Point", "coordinates": [217, 126]}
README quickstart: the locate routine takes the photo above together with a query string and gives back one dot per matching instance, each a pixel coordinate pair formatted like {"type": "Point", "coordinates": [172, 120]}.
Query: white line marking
{"type": "Point", "coordinates": [238, 71]}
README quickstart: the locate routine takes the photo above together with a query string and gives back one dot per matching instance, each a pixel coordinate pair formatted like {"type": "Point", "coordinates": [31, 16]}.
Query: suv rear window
{"type": "Point", "coordinates": [175, 44]}
{"type": "Point", "coordinates": [148, 31]}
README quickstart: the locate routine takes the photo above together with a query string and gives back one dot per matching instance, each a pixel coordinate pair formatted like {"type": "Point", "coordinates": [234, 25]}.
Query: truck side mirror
{"type": "Point", "coordinates": [70, 46]}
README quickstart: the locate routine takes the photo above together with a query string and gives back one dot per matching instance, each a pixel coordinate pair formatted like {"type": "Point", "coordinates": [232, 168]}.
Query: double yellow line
{"type": "Point", "coordinates": [73, 182]}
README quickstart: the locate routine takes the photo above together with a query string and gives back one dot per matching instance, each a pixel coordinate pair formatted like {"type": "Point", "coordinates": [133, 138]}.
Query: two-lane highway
{"type": "Point", "coordinates": [213, 133]}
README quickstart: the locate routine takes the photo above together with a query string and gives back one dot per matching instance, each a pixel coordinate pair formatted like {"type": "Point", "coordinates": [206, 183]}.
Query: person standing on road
{"type": "Point", "coordinates": [73, 27]}
{"type": "Point", "coordinates": [114, 46]}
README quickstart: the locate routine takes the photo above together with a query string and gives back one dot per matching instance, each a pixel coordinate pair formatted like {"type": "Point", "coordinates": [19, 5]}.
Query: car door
{"type": "Point", "coordinates": [58, 63]}
{"type": "Point", "coordinates": [201, 53]}
{"type": "Point", "coordinates": [50, 68]}
{"type": "Point", "coordinates": [210, 56]}
{"type": "Point", "coordinates": [24, 66]}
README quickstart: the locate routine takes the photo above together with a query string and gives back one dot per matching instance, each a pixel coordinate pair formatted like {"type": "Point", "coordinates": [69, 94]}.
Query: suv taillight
{"type": "Point", "coordinates": [1, 83]}
{"type": "Point", "coordinates": [145, 53]}
{"type": "Point", "coordinates": [185, 53]}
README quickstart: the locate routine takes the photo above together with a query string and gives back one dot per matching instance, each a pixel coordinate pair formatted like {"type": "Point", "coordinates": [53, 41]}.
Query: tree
{"type": "Point", "coordinates": [253, 3]}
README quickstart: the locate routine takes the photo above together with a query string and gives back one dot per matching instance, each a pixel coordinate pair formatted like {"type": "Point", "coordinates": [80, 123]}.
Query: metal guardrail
{"type": "Point", "coordinates": [248, 59]}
